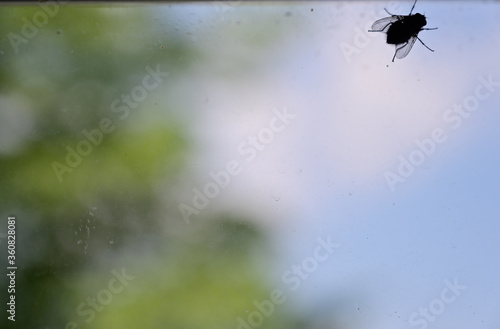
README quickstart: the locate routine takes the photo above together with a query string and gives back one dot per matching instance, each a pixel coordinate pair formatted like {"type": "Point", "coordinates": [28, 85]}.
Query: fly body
{"type": "Point", "coordinates": [402, 31]}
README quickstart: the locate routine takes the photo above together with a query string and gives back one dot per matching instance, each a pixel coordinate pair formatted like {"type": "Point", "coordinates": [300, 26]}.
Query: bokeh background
{"type": "Point", "coordinates": [228, 70]}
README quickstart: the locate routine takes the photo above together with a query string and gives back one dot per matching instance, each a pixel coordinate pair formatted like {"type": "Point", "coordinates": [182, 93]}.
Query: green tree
{"type": "Point", "coordinates": [81, 174]}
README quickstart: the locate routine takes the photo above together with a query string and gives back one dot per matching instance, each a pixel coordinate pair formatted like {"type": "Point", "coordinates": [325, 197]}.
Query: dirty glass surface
{"type": "Point", "coordinates": [248, 165]}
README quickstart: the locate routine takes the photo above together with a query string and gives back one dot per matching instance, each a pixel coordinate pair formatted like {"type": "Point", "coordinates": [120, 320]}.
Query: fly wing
{"type": "Point", "coordinates": [383, 23]}
{"type": "Point", "coordinates": [402, 51]}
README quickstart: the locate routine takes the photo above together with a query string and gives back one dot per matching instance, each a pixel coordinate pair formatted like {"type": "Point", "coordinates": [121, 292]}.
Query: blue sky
{"type": "Point", "coordinates": [324, 174]}
{"type": "Point", "coordinates": [354, 116]}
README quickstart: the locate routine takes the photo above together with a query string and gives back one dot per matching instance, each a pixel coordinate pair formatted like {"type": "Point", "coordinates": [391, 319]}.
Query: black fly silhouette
{"type": "Point", "coordinates": [402, 31]}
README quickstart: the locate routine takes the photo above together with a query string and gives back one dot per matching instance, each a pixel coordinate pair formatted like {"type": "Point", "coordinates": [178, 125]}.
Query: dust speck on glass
{"type": "Point", "coordinates": [249, 165]}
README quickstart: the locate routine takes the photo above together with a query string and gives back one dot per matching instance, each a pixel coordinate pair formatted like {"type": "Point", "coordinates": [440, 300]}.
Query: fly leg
{"type": "Point", "coordinates": [424, 44]}
{"type": "Point", "coordinates": [387, 11]}
{"type": "Point", "coordinates": [397, 49]}
{"type": "Point", "coordinates": [413, 6]}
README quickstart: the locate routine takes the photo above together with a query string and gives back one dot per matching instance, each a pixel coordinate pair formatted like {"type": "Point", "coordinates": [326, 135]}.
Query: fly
{"type": "Point", "coordinates": [402, 31]}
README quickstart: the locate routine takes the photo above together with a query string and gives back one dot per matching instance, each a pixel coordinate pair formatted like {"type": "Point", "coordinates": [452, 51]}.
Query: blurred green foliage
{"type": "Point", "coordinates": [106, 213]}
